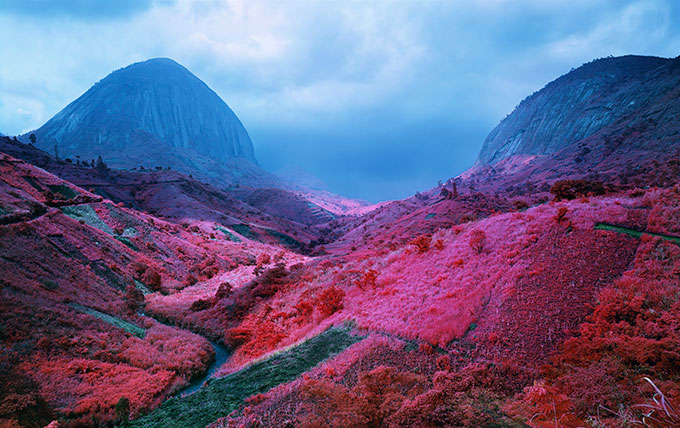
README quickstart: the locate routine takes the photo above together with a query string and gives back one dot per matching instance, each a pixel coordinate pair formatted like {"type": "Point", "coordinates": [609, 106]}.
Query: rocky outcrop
{"type": "Point", "coordinates": [150, 113]}
{"type": "Point", "coordinates": [630, 92]}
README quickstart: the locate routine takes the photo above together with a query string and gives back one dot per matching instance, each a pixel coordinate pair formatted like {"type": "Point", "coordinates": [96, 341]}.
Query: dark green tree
{"type": "Point", "coordinates": [100, 165]}
{"type": "Point", "coordinates": [32, 138]}
{"type": "Point", "coordinates": [123, 410]}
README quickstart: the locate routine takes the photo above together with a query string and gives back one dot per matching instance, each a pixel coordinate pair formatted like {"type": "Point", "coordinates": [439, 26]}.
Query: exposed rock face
{"type": "Point", "coordinates": [629, 92]}
{"type": "Point", "coordinates": [150, 113]}
{"type": "Point", "coordinates": [157, 114]}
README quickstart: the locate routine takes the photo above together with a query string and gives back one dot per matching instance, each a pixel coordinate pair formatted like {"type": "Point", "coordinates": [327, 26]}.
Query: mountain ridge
{"type": "Point", "coordinates": [608, 89]}
{"type": "Point", "coordinates": [151, 109]}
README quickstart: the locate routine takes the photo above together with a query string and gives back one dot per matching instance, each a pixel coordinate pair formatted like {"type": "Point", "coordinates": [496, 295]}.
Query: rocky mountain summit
{"type": "Point", "coordinates": [599, 98]}
{"type": "Point", "coordinates": [155, 109]}
{"type": "Point", "coordinates": [155, 115]}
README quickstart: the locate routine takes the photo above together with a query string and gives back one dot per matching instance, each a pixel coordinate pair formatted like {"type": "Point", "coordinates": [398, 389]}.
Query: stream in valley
{"type": "Point", "coordinates": [222, 353]}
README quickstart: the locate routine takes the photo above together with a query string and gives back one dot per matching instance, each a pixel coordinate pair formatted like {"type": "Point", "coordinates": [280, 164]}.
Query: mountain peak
{"type": "Point", "coordinates": [152, 111]}
{"type": "Point", "coordinates": [154, 68]}
{"type": "Point", "coordinates": [579, 104]}
{"type": "Point", "coordinates": [619, 66]}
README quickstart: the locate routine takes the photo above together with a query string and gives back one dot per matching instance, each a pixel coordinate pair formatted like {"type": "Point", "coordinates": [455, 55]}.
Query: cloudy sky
{"type": "Point", "coordinates": [378, 99]}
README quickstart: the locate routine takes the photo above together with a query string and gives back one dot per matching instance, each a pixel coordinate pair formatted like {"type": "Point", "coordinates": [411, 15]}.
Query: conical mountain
{"type": "Point", "coordinates": [152, 113]}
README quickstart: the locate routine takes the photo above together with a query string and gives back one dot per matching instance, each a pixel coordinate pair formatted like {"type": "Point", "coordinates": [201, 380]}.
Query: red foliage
{"type": "Point", "coordinates": [545, 407]}
{"type": "Point", "coordinates": [439, 244]}
{"type": "Point", "coordinates": [133, 298]}
{"type": "Point", "coordinates": [572, 189]}
{"type": "Point", "coordinates": [254, 336]}
{"type": "Point", "coordinates": [378, 394]}
{"type": "Point", "coordinates": [225, 289]}
{"type": "Point", "coordinates": [422, 243]}
{"type": "Point", "coordinates": [444, 363]}
{"type": "Point", "coordinates": [633, 330]}
{"type": "Point", "coordinates": [367, 280]}
{"type": "Point", "coordinates": [237, 336]}
{"type": "Point", "coordinates": [152, 279]}
{"type": "Point", "coordinates": [561, 213]}
{"type": "Point", "coordinates": [254, 399]}
{"type": "Point", "coordinates": [201, 305]}
{"type": "Point", "coordinates": [264, 259]}
{"type": "Point", "coordinates": [478, 240]}
{"type": "Point", "coordinates": [329, 301]}
{"type": "Point", "coordinates": [304, 309]}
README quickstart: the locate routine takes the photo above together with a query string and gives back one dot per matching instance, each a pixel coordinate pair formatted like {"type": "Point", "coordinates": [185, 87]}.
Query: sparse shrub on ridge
{"type": "Point", "coordinates": [572, 189]}
{"type": "Point", "coordinates": [223, 291]}
{"type": "Point", "coordinates": [133, 298]}
{"type": "Point", "coordinates": [152, 279]}
{"type": "Point", "coordinates": [206, 269]}
{"type": "Point", "coordinates": [422, 243]}
{"type": "Point", "coordinates": [190, 280]}
{"type": "Point", "coordinates": [367, 280]}
{"type": "Point", "coordinates": [561, 213]}
{"type": "Point", "coordinates": [520, 204]}
{"type": "Point", "coordinates": [263, 259]}
{"type": "Point", "coordinates": [330, 301]}
{"type": "Point", "coordinates": [478, 240]}
{"type": "Point", "coordinates": [201, 305]}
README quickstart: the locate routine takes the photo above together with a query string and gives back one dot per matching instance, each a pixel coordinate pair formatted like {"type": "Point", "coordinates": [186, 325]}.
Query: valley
{"type": "Point", "coordinates": [540, 288]}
